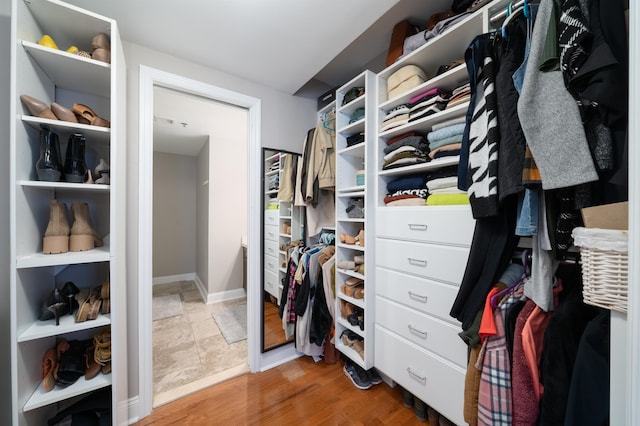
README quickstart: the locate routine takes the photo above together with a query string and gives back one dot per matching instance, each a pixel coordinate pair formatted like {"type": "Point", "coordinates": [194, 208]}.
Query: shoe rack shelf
{"type": "Point", "coordinates": [350, 160]}
{"type": "Point", "coordinates": [50, 75]}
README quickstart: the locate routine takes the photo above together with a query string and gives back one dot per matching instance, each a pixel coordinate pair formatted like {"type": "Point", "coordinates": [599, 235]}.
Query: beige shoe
{"type": "Point", "coordinates": [56, 236]}
{"type": "Point", "coordinates": [82, 236]}
{"type": "Point", "coordinates": [63, 113]}
{"type": "Point", "coordinates": [37, 108]}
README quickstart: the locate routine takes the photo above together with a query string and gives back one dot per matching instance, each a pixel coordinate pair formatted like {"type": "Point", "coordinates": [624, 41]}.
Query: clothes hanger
{"type": "Point", "coordinates": [496, 298]}
{"type": "Point", "coordinates": [511, 14]}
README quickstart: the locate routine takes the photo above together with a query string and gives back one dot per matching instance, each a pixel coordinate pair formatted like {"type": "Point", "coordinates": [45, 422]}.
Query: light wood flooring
{"type": "Point", "coordinates": [300, 392]}
{"type": "Point", "coordinates": [273, 332]}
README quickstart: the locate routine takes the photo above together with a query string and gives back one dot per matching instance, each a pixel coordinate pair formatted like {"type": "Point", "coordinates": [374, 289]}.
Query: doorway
{"type": "Point", "coordinates": [150, 78]}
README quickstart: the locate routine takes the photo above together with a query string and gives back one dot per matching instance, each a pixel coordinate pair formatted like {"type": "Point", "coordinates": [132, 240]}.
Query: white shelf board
{"type": "Point", "coordinates": [353, 105]}
{"type": "Point", "coordinates": [348, 191]}
{"type": "Point", "coordinates": [354, 150]}
{"type": "Point", "coordinates": [70, 71]}
{"type": "Point", "coordinates": [350, 273]}
{"type": "Point", "coordinates": [273, 191]}
{"type": "Point", "coordinates": [65, 186]}
{"type": "Point", "coordinates": [344, 323]}
{"type": "Point", "coordinates": [350, 246]}
{"type": "Point", "coordinates": [353, 128]}
{"type": "Point", "coordinates": [417, 168]}
{"type": "Point", "coordinates": [35, 260]}
{"type": "Point", "coordinates": [68, 324]}
{"type": "Point", "coordinates": [350, 353]}
{"type": "Point", "coordinates": [40, 398]}
{"type": "Point", "coordinates": [352, 220]}
{"type": "Point", "coordinates": [285, 235]}
{"type": "Point", "coordinates": [357, 302]}
{"type": "Point", "coordinates": [64, 129]}
{"type": "Point", "coordinates": [272, 172]}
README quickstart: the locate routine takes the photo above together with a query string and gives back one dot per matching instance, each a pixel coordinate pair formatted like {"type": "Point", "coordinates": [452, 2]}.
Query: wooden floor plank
{"type": "Point", "coordinates": [300, 392]}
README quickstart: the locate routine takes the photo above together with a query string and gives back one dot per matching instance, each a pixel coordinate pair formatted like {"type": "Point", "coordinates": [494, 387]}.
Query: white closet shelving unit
{"type": "Point", "coordinates": [282, 224]}
{"type": "Point", "coordinates": [421, 252]}
{"type": "Point", "coordinates": [54, 75]}
{"type": "Point", "coordinates": [349, 161]}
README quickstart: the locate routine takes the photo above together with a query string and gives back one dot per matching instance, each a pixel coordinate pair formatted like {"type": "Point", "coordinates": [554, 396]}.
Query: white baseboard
{"type": "Point", "coordinates": [174, 278]}
{"type": "Point", "coordinates": [227, 295]}
{"type": "Point", "coordinates": [134, 412]}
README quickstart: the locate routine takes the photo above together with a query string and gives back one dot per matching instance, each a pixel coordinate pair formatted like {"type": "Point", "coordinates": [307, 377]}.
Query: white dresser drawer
{"type": "Point", "coordinates": [271, 217]}
{"type": "Point", "coordinates": [271, 264]}
{"type": "Point", "coordinates": [271, 232]}
{"type": "Point", "coordinates": [271, 283]}
{"type": "Point", "coordinates": [427, 296]}
{"type": "Point", "coordinates": [438, 224]}
{"type": "Point", "coordinates": [445, 263]}
{"type": "Point", "coordinates": [423, 330]}
{"type": "Point", "coordinates": [271, 248]}
{"type": "Point", "coordinates": [440, 384]}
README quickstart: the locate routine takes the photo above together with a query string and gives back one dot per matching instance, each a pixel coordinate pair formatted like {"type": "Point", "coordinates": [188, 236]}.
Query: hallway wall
{"type": "Point", "coordinates": [174, 214]}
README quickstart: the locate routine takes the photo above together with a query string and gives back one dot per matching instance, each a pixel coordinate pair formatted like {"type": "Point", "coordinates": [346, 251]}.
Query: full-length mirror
{"type": "Point", "coordinates": [282, 230]}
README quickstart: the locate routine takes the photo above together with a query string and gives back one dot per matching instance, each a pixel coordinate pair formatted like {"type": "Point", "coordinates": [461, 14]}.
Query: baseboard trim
{"type": "Point", "coordinates": [224, 296]}
{"type": "Point", "coordinates": [174, 278]}
{"type": "Point", "coordinates": [134, 412]}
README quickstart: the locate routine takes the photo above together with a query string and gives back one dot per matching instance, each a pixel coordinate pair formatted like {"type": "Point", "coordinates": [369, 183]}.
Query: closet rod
{"type": "Point", "coordinates": [500, 15]}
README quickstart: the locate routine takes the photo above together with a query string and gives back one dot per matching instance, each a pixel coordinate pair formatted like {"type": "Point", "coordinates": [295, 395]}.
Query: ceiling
{"type": "Point", "coordinates": [300, 47]}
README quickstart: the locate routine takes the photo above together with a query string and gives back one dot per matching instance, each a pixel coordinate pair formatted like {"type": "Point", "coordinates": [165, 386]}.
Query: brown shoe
{"type": "Point", "coordinates": [37, 108]}
{"type": "Point", "coordinates": [63, 113]}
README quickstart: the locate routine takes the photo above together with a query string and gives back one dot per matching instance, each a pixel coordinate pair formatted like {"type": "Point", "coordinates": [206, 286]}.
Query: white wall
{"type": "Point", "coordinates": [285, 121]}
{"type": "Point", "coordinates": [174, 214]}
{"type": "Point", "coordinates": [202, 215]}
{"type": "Point", "coordinates": [5, 332]}
{"type": "Point", "coordinates": [228, 186]}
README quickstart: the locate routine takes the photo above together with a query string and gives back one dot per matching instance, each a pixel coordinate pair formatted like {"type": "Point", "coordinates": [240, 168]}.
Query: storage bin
{"type": "Point", "coordinates": [360, 178]}
{"type": "Point", "coordinates": [605, 266]}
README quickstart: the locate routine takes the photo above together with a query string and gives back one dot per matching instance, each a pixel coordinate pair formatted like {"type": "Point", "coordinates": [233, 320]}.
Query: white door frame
{"type": "Point", "coordinates": [150, 77]}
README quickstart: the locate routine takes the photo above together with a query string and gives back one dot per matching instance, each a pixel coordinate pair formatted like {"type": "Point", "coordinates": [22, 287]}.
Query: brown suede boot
{"type": "Point", "coordinates": [56, 236]}
{"type": "Point", "coordinates": [83, 236]}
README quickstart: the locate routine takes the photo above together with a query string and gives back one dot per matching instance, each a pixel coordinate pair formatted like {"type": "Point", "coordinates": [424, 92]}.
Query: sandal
{"type": "Point", "coordinates": [88, 116]}
{"type": "Point", "coordinates": [102, 352]}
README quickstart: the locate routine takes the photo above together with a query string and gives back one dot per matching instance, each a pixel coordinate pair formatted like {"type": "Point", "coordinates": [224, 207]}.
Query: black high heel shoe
{"type": "Point", "coordinates": [54, 307]}
{"type": "Point", "coordinates": [69, 290]}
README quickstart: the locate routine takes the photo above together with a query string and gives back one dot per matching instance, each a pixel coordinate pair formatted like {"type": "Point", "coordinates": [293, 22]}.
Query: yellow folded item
{"type": "Point", "coordinates": [447, 199]}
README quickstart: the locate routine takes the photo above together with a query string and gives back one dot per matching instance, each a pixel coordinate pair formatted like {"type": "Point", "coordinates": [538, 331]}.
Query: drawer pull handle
{"type": "Point", "coordinates": [421, 379]}
{"type": "Point", "coordinates": [417, 262]}
{"type": "Point", "coordinates": [270, 265]}
{"type": "Point", "coordinates": [417, 226]}
{"type": "Point", "coordinates": [271, 234]}
{"type": "Point", "coordinates": [271, 249]}
{"type": "Point", "coordinates": [414, 330]}
{"type": "Point", "coordinates": [421, 298]}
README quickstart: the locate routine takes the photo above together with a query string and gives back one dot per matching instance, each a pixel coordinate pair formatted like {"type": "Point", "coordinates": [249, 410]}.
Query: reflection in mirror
{"type": "Point", "coordinates": [282, 230]}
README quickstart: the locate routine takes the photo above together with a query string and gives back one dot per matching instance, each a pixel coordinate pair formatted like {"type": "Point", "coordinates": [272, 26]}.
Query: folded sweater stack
{"type": "Point", "coordinates": [443, 188]}
{"type": "Point", "coordinates": [459, 95]}
{"type": "Point", "coordinates": [446, 141]}
{"type": "Point", "coordinates": [405, 150]}
{"type": "Point", "coordinates": [408, 190]}
{"type": "Point", "coordinates": [427, 103]}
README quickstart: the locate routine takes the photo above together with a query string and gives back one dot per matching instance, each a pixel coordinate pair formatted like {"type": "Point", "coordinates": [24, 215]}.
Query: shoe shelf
{"type": "Point", "coordinates": [354, 190]}
{"type": "Point", "coordinates": [53, 75]}
{"type": "Point", "coordinates": [68, 324]}
{"type": "Point", "coordinates": [37, 260]}
{"type": "Point", "coordinates": [40, 398]}
{"type": "Point", "coordinates": [70, 71]}
{"type": "Point", "coordinates": [64, 129]}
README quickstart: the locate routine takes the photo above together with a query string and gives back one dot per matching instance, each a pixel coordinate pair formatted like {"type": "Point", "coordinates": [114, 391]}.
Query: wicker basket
{"type": "Point", "coordinates": [605, 266]}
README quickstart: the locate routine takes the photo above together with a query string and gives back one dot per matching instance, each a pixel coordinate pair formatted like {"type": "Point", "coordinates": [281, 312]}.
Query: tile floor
{"type": "Point", "coordinates": [189, 352]}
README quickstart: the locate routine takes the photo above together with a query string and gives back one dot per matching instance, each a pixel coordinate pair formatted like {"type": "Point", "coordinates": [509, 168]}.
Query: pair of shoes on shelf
{"type": "Point", "coordinates": [348, 239]}
{"type": "Point", "coordinates": [100, 45]}
{"type": "Point", "coordinates": [357, 292]}
{"type": "Point", "coordinates": [356, 318]}
{"type": "Point", "coordinates": [59, 302]}
{"type": "Point", "coordinates": [93, 301]}
{"type": "Point", "coordinates": [59, 238]}
{"type": "Point", "coordinates": [357, 374]}
{"type": "Point", "coordinates": [98, 356]}
{"type": "Point", "coordinates": [79, 113]}
{"type": "Point", "coordinates": [286, 228]}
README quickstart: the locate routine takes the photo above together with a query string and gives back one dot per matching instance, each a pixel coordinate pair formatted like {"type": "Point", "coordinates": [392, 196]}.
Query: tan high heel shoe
{"type": "Point", "coordinates": [37, 108]}
{"type": "Point", "coordinates": [101, 48]}
{"type": "Point", "coordinates": [88, 116]}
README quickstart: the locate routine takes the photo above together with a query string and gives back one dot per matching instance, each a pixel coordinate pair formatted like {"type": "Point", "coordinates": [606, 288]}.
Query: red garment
{"type": "Point", "coordinates": [488, 323]}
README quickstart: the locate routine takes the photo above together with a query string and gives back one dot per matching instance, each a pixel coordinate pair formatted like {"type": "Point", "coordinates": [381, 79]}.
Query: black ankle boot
{"type": "Point", "coordinates": [74, 164]}
{"type": "Point", "coordinates": [48, 166]}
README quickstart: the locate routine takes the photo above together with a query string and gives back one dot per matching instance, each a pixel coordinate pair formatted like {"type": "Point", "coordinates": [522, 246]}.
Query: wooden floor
{"type": "Point", "coordinates": [273, 332]}
{"type": "Point", "coordinates": [299, 392]}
